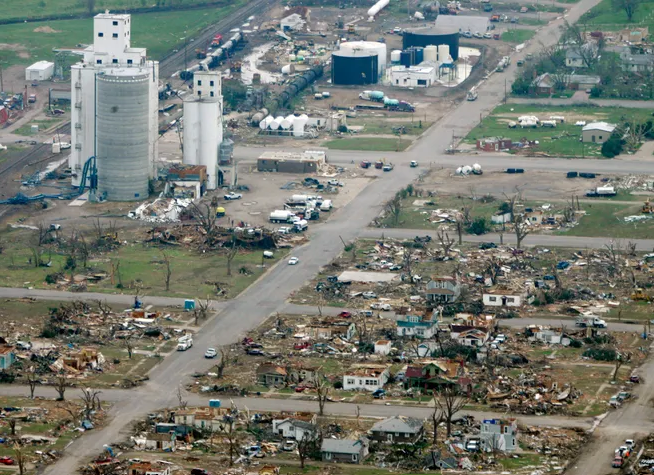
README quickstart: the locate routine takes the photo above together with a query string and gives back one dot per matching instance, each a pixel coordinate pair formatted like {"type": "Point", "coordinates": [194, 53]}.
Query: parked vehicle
{"type": "Point", "coordinates": [594, 322]}
{"type": "Point", "coordinates": [388, 167]}
{"type": "Point", "coordinates": [326, 205]}
{"type": "Point", "coordinates": [345, 314]}
{"type": "Point", "coordinates": [210, 353]}
{"type": "Point", "coordinates": [634, 378]}
{"type": "Point", "coordinates": [282, 216]}
{"type": "Point", "coordinates": [379, 393]}
{"type": "Point", "coordinates": [381, 306]}
{"type": "Point", "coordinates": [184, 343]}
{"type": "Point", "coordinates": [293, 261]}
{"type": "Point", "coordinates": [289, 445]}
{"type": "Point", "coordinates": [365, 164]}
{"type": "Point", "coordinates": [32, 98]}
{"type": "Point", "coordinates": [488, 7]}
{"type": "Point", "coordinates": [374, 96]}
{"type": "Point", "coordinates": [6, 461]}
{"type": "Point", "coordinates": [472, 95]}
{"type": "Point", "coordinates": [617, 462]}
{"type": "Point", "coordinates": [496, 36]}
{"type": "Point", "coordinates": [413, 164]}
{"type": "Point", "coordinates": [369, 295]}
{"type": "Point", "coordinates": [601, 191]}
{"type": "Point", "coordinates": [233, 196]}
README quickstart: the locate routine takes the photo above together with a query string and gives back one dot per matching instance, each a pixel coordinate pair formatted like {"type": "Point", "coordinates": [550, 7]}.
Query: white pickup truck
{"type": "Point", "coordinates": [594, 322]}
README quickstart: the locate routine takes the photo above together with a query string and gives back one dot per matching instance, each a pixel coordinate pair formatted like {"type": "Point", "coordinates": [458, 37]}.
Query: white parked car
{"type": "Point", "coordinates": [369, 295]}
{"type": "Point", "coordinates": [381, 306]}
{"type": "Point", "coordinates": [334, 182]}
{"type": "Point", "coordinates": [501, 338]}
{"type": "Point", "coordinates": [233, 196]}
{"type": "Point", "coordinates": [210, 353]}
{"type": "Point", "coordinates": [293, 260]}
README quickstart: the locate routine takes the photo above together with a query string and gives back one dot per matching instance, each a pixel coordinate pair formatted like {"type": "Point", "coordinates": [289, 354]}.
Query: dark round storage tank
{"type": "Point", "coordinates": [354, 69]}
{"type": "Point", "coordinates": [419, 55]}
{"type": "Point", "coordinates": [405, 58]}
{"type": "Point", "coordinates": [433, 36]}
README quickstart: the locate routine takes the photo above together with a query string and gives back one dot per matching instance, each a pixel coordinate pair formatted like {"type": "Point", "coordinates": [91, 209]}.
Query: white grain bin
{"type": "Point", "coordinates": [395, 56]}
{"type": "Point", "coordinates": [288, 69]}
{"type": "Point", "coordinates": [376, 8]}
{"type": "Point", "coordinates": [458, 171]}
{"type": "Point", "coordinates": [476, 169]}
{"type": "Point", "coordinates": [265, 123]}
{"type": "Point", "coordinates": [362, 48]}
{"type": "Point", "coordinates": [299, 124]}
{"type": "Point", "coordinates": [430, 53]}
{"type": "Point", "coordinates": [466, 170]}
{"type": "Point", "coordinates": [443, 53]}
{"type": "Point", "coordinates": [287, 122]}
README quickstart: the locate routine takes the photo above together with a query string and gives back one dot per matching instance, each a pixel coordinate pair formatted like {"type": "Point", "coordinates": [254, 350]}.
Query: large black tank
{"type": "Point", "coordinates": [349, 69]}
{"type": "Point", "coordinates": [433, 36]}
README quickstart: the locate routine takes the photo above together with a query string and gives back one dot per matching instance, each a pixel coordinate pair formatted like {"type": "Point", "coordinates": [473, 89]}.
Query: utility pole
{"type": "Point", "coordinates": [2, 84]}
{"type": "Point", "coordinates": [505, 90]}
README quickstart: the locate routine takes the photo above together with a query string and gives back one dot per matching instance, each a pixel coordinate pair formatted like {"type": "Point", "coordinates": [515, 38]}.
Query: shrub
{"type": "Point", "coordinates": [601, 354]}
{"type": "Point", "coordinates": [478, 226]}
{"type": "Point", "coordinates": [612, 147]}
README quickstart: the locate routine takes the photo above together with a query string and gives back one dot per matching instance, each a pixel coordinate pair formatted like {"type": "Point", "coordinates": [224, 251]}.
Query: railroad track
{"type": "Point", "coordinates": [174, 61]}
{"type": "Point", "coordinates": [34, 151]}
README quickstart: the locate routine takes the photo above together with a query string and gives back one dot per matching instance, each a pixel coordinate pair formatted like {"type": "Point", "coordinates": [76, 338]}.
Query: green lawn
{"type": "Point", "coordinates": [368, 143]}
{"type": "Point", "coordinates": [43, 126]}
{"type": "Point", "coordinates": [606, 219]}
{"type": "Point", "coordinates": [159, 32]}
{"type": "Point", "coordinates": [193, 273]}
{"type": "Point", "coordinates": [517, 35]}
{"type": "Point", "coordinates": [609, 18]}
{"type": "Point", "coordinates": [37, 9]}
{"type": "Point", "coordinates": [633, 311]}
{"type": "Point", "coordinates": [521, 461]}
{"type": "Point", "coordinates": [562, 141]}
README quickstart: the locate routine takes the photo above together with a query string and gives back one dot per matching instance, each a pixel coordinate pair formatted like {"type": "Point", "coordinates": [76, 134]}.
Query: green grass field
{"type": "Point", "coordinates": [37, 9]}
{"type": "Point", "coordinates": [517, 36]}
{"type": "Point", "coordinates": [43, 126]}
{"type": "Point", "coordinates": [607, 219]}
{"type": "Point", "coordinates": [609, 18]}
{"type": "Point", "coordinates": [158, 32]}
{"type": "Point", "coordinates": [193, 273]}
{"type": "Point", "coordinates": [381, 144]}
{"type": "Point", "coordinates": [383, 127]}
{"type": "Point", "coordinates": [562, 141]}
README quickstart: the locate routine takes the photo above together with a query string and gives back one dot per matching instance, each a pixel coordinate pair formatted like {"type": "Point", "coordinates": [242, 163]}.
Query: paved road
{"type": "Point", "coordinates": [268, 295]}
{"type": "Point", "coordinates": [295, 309]}
{"type": "Point", "coordinates": [574, 242]}
{"type": "Point", "coordinates": [119, 396]}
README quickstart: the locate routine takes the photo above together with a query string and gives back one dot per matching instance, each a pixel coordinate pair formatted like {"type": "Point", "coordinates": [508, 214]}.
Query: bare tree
{"type": "Point", "coordinates": [394, 208]}
{"type": "Point", "coordinates": [32, 381]}
{"type": "Point", "coordinates": [231, 434]}
{"type": "Point", "coordinates": [364, 329]}
{"type": "Point", "coordinates": [61, 384]}
{"type": "Point", "coordinates": [89, 397]}
{"type": "Point", "coordinates": [631, 248]}
{"type": "Point", "coordinates": [169, 272]}
{"type": "Point", "coordinates": [72, 410]}
{"type": "Point", "coordinates": [44, 231]}
{"type": "Point", "coordinates": [129, 346]}
{"type": "Point", "coordinates": [449, 402]}
{"type": "Point", "coordinates": [307, 445]}
{"type": "Point", "coordinates": [182, 403]}
{"type": "Point", "coordinates": [231, 254]}
{"type": "Point", "coordinates": [226, 359]}
{"type": "Point", "coordinates": [618, 364]}
{"type": "Point", "coordinates": [446, 242]}
{"type": "Point", "coordinates": [206, 216]}
{"type": "Point", "coordinates": [589, 52]}
{"type": "Point", "coordinates": [613, 251]}
{"type": "Point", "coordinates": [201, 311]}
{"type": "Point", "coordinates": [322, 390]}
{"type": "Point", "coordinates": [20, 458]}
{"type": "Point", "coordinates": [460, 226]}
{"type": "Point", "coordinates": [12, 426]}
{"type": "Point", "coordinates": [521, 229]}
{"type": "Point", "coordinates": [436, 419]}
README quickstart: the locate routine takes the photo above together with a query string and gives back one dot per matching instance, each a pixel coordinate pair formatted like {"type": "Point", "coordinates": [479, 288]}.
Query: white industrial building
{"type": "Point", "coordinates": [203, 131]}
{"type": "Point", "coordinates": [413, 76]}
{"type": "Point", "coordinates": [40, 71]}
{"type": "Point", "coordinates": [111, 56]}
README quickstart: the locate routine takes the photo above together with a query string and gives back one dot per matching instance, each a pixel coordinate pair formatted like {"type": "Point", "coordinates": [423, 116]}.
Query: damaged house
{"type": "Point", "coordinates": [502, 298]}
{"type": "Point", "coordinates": [7, 356]}
{"type": "Point", "coordinates": [331, 328]}
{"type": "Point", "coordinates": [296, 429]}
{"type": "Point", "coordinates": [499, 434]}
{"type": "Point", "coordinates": [422, 326]}
{"type": "Point", "coordinates": [344, 450]}
{"type": "Point", "coordinates": [433, 374]}
{"type": "Point", "coordinates": [269, 374]}
{"type": "Point", "coordinates": [398, 430]}
{"type": "Point", "coordinates": [442, 290]}
{"type": "Point", "coordinates": [368, 377]}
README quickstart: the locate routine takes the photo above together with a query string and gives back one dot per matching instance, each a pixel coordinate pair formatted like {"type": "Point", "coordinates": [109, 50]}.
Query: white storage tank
{"type": "Point", "coordinates": [299, 125]}
{"type": "Point", "coordinates": [431, 53]}
{"type": "Point", "coordinates": [370, 47]}
{"type": "Point", "coordinates": [395, 56]}
{"type": "Point", "coordinates": [265, 123]}
{"type": "Point", "coordinates": [443, 53]}
{"type": "Point", "coordinates": [376, 8]}
{"type": "Point", "coordinates": [287, 122]}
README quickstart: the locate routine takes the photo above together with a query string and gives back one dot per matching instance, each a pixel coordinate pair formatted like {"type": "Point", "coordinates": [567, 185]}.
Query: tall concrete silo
{"type": "Point", "coordinates": [122, 134]}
